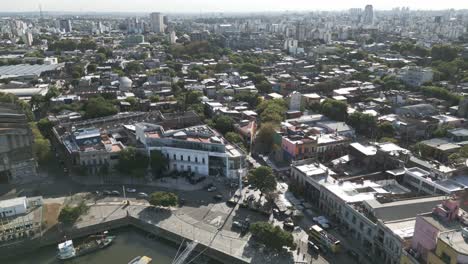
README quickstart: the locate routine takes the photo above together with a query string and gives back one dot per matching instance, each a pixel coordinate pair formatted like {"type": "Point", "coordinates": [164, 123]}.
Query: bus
{"type": "Point", "coordinates": [324, 238]}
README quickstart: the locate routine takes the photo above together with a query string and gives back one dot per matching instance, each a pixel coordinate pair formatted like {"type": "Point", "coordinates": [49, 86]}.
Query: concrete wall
{"type": "Point", "coordinates": [424, 237]}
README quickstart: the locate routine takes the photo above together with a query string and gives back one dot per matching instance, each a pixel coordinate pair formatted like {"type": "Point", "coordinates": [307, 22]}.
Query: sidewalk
{"type": "Point", "coordinates": [180, 184]}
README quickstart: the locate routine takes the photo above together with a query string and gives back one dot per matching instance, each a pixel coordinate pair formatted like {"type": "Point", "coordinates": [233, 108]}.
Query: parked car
{"type": "Point", "coordinates": [212, 189]}
{"type": "Point", "coordinates": [236, 224]}
{"type": "Point", "coordinates": [312, 246]}
{"type": "Point", "coordinates": [131, 190]}
{"type": "Point", "coordinates": [106, 192]}
{"type": "Point", "coordinates": [218, 197]}
{"type": "Point", "coordinates": [142, 195]}
{"type": "Point", "coordinates": [115, 193]}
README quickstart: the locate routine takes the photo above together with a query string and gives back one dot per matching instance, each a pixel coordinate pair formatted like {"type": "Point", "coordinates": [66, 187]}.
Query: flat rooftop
{"type": "Point", "coordinates": [12, 202]}
{"type": "Point", "coordinates": [403, 209]}
{"type": "Point", "coordinates": [26, 69]}
{"type": "Point", "coordinates": [352, 192]}
{"type": "Point", "coordinates": [456, 240]}
{"type": "Point", "coordinates": [404, 229]}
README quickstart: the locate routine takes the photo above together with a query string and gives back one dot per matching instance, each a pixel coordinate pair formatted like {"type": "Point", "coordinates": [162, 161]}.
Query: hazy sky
{"type": "Point", "coordinates": [220, 5]}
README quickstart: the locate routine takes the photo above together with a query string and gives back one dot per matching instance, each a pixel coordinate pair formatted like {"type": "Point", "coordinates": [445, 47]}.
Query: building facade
{"type": "Point", "coordinates": [197, 149]}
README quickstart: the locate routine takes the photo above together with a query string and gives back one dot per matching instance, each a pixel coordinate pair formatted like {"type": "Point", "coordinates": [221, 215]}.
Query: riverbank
{"type": "Point", "coordinates": [162, 223]}
{"type": "Point", "coordinates": [129, 243]}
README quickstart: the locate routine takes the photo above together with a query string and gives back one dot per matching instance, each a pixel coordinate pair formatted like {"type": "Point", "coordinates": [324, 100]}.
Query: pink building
{"type": "Point", "coordinates": [444, 217]}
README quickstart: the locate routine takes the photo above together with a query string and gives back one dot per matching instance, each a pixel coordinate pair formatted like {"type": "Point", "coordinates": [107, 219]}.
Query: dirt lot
{"type": "Point", "coordinates": [50, 213]}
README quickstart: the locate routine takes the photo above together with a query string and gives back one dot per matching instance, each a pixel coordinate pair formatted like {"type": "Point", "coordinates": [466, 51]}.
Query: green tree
{"type": "Point", "coordinates": [91, 68]}
{"type": "Point", "coordinates": [86, 44]}
{"type": "Point", "coordinates": [334, 109]}
{"type": "Point", "coordinates": [264, 86]}
{"type": "Point", "coordinates": [390, 82]}
{"type": "Point", "coordinates": [265, 138]}
{"type": "Point", "coordinates": [99, 107]}
{"type": "Point", "coordinates": [234, 138]}
{"type": "Point", "coordinates": [263, 179]}
{"type": "Point", "coordinates": [441, 93]}
{"type": "Point", "coordinates": [41, 146]}
{"type": "Point", "coordinates": [441, 131]}
{"type": "Point", "coordinates": [134, 67]}
{"type": "Point", "coordinates": [444, 52]}
{"type": "Point", "coordinates": [164, 199]}
{"type": "Point", "coordinates": [251, 98]}
{"type": "Point", "coordinates": [273, 237]}
{"type": "Point", "coordinates": [223, 124]}
{"type": "Point", "coordinates": [130, 160]}
{"type": "Point", "coordinates": [272, 111]}
{"type": "Point", "coordinates": [363, 123]}
{"type": "Point", "coordinates": [69, 215]}
{"type": "Point", "coordinates": [159, 163]}
{"type": "Point", "coordinates": [45, 127]}
{"type": "Point", "coordinates": [386, 129]}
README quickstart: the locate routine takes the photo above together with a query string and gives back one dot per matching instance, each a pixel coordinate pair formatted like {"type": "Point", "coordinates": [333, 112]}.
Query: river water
{"type": "Point", "coordinates": [129, 243]}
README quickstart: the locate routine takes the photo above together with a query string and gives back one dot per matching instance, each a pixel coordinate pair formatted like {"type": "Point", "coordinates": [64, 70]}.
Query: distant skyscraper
{"type": "Point", "coordinates": [28, 38]}
{"type": "Point", "coordinates": [65, 25]}
{"type": "Point", "coordinates": [368, 18]}
{"type": "Point", "coordinates": [157, 22]}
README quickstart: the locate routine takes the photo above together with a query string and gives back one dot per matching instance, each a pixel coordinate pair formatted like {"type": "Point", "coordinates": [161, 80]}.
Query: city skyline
{"type": "Point", "coordinates": [179, 6]}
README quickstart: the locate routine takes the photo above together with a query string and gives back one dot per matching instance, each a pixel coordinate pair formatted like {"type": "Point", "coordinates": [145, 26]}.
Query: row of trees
{"type": "Point", "coordinates": [71, 45]}
{"type": "Point", "coordinates": [136, 163]}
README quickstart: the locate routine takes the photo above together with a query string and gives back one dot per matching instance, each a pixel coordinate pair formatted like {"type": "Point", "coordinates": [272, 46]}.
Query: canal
{"type": "Point", "coordinates": [129, 243]}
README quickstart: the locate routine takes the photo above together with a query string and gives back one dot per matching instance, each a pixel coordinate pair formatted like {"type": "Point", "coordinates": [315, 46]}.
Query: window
{"type": "Point", "coordinates": [203, 160]}
{"type": "Point", "coordinates": [182, 167]}
{"type": "Point", "coordinates": [182, 157]}
{"type": "Point", "coordinates": [189, 158]}
{"type": "Point", "coordinates": [175, 158]}
{"type": "Point", "coordinates": [354, 219]}
{"type": "Point", "coordinates": [361, 226]}
{"type": "Point", "coordinates": [196, 159]}
{"type": "Point", "coordinates": [175, 167]}
{"type": "Point", "coordinates": [167, 155]}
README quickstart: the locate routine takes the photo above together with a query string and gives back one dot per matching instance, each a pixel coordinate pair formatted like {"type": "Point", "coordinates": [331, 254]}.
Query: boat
{"type": "Point", "coordinates": [67, 250]}
{"type": "Point", "coordinates": [141, 260]}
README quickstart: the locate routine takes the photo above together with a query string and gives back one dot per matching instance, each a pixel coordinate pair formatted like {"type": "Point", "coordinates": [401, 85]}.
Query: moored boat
{"type": "Point", "coordinates": [67, 250]}
{"type": "Point", "coordinates": [141, 260]}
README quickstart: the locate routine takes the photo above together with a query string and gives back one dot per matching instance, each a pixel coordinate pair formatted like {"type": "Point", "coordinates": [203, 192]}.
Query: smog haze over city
{"type": "Point", "coordinates": [196, 6]}
{"type": "Point", "coordinates": [261, 131]}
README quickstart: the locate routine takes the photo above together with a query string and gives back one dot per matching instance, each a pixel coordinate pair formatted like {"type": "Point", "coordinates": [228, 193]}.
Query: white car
{"type": "Point", "coordinates": [212, 189]}
{"type": "Point", "coordinates": [142, 195]}
{"type": "Point", "coordinates": [130, 190]}
{"type": "Point", "coordinates": [321, 218]}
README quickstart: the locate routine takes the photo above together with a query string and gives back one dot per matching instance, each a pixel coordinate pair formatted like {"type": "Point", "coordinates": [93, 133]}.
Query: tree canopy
{"type": "Point", "coordinates": [444, 52]}
{"type": "Point", "coordinates": [441, 93]}
{"type": "Point", "coordinates": [363, 123]}
{"type": "Point", "coordinates": [164, 199]}
{"type": "Point", "coordinates": [223, 124]}
{"type": "Point", "coordinates": [272, 111]}
{"type": "Point", "coordinates": [272, 236]}
{"type": "Point", "coordinates": [131, 161]}
{"type": "Point", "coordinates": [69, 214]}
{"type": "Point", "coordinates": [263, 179]}
{"type": "Point", "coordinates": [265, 138]}
{"type": "Point", "coordinates": [334, 109]}
{"type": "Point", "coordinates": [159, 163]}
{"type": "Point", "coordinates": [99, 107]}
